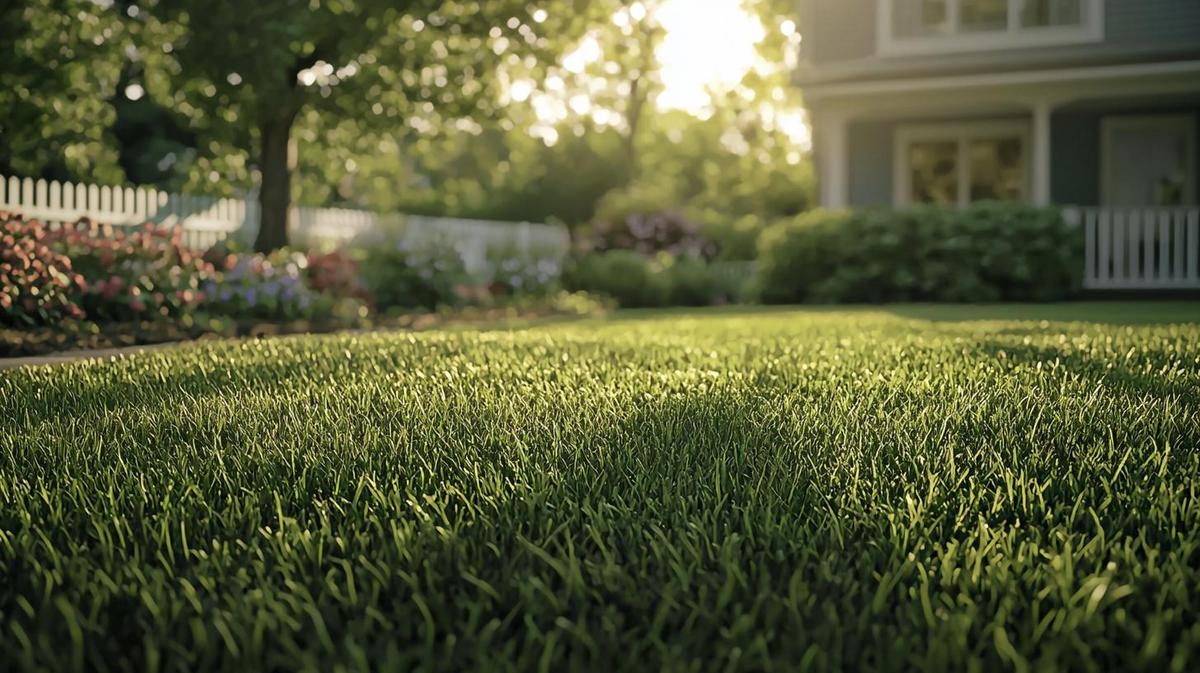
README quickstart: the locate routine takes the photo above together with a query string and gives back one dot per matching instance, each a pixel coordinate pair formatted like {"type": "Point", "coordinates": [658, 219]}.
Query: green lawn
{"type": "Point", "coordinates": [864, 489]}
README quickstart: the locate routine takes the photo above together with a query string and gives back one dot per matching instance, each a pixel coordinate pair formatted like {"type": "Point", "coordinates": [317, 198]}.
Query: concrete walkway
{"type": "Point", "coordinates": [74, 356]}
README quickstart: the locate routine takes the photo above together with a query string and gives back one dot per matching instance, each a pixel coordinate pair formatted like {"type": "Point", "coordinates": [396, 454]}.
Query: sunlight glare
{"type": "Point", "coordinates": [707, 43]}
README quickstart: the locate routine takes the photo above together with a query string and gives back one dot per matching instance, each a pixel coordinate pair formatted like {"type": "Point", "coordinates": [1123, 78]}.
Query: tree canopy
{"type": "Point", "coordinates": [503, 109]}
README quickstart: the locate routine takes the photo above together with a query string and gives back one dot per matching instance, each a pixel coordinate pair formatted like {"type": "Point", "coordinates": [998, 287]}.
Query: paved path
{"type": "Point", "coordinates": [73, 356]}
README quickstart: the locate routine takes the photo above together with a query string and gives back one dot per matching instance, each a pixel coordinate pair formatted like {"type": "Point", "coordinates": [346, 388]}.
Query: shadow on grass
{"type": "Point", "coordinates": [1106, 313]}
{"type": "Point", "coordinates": [1101, 313]}
{"type": "Point", "coordinates": [1111, 372]}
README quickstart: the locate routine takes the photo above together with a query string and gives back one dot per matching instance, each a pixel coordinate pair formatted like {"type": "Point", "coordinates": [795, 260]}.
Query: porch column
{"type": "Point", "coordinates": [831, 156]}
{"type": "Point", "coordinates": [1040, 195]}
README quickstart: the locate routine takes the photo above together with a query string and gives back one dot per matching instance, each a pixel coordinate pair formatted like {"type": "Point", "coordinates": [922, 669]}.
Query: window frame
{"type": "Point", "coordinates": [962, 134]}
{"type": "Point", "coordinates": [1112, 123]}
{"type": "Point", "coordinates": [888, 44]}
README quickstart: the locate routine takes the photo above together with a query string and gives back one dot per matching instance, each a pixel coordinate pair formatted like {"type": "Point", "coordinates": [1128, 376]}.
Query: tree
{"type": "Point", "coordinates": [61, 65]}
{"type": "Point", "coordinates": [244, 73]}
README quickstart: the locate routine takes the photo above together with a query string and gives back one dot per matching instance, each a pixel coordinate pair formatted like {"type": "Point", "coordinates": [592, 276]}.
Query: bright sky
{"type": "Point", "coordinates": [708, 43]}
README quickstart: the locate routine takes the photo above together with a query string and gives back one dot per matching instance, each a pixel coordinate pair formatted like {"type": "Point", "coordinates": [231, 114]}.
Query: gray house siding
{"type": "Point", "coordinates": [1075, 154]}
{"type": "Point", "coordinates": [1129, 22]}
{"type": "Point", "coordinates": [844, 31]}
{"type": "Point", "coordinates": [1075, 158]}
{"type": "Point", "coordinates": [1076, 163]}
{"type": "Point", "coordinates": [871, 149]}
{"type": "Point", "coordinates": [844, 34]}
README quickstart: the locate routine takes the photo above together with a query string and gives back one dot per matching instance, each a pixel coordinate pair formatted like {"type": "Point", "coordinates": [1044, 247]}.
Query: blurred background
{"type": "Point", "coordinates": [180, 168]}
{"type": "Point", "coordinates": [555, 111]}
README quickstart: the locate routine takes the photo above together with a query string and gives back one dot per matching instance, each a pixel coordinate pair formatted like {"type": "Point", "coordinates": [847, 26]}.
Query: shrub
{"type": "Point", "coordinates": [691, 282]}
{"type": "Point", "coordinates": [513, 271]}
{"type": "Point", "coordinates": [651, 233]}
{"type": "Point", "coordinates": [633, 280]}
{"type": "Point", "coordinates": [696, 282]}
{"type": "Point", "coordinates": [141, 275]}
{"type": "Point", "coordinates": [38, 285]}
{"type": "Point", "coordinates": [987, 252]}
{"type": "Point", "coordinates": [734, 238]}
{"type": "Point", "coordinates": [269, 287]}
{"type": "Point", "coordinates": [427, 276]}
{"type": "Point", "coordinates": [338, 274]}
{"type": "Point", "coordinates": [638, 219]}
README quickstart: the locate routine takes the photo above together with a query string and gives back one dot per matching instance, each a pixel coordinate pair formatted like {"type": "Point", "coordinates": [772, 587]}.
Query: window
{"type": "Point", "coordinates": [939, 26]}
{"type": "Point", "coordinates": [1149, 160]}
{"type": "Point", "coordinates": [957, 164]}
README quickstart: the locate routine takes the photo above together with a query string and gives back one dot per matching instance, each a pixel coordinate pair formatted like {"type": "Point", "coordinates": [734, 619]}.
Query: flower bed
{"type": "Point", "coordinates": [86, 286]}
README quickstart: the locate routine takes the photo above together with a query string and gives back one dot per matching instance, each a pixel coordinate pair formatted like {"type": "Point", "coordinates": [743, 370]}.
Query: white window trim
{"type": "Point", "coordinates": [1109, 125]}
{"type": "Point", "coordinates": [1015, 37]}
{"type": "Point", "coordinates": [962, 134]}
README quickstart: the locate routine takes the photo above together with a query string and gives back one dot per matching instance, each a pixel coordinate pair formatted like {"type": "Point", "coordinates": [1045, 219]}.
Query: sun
{"type": "Point", "coordinates": [707, 43]}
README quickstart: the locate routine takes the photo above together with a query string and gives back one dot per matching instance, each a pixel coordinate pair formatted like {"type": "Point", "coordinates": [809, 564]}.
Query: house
{"type": "Point", "coordinates": [1091, 103]}
{"type": "Point", "coordinates": [1085, 102]}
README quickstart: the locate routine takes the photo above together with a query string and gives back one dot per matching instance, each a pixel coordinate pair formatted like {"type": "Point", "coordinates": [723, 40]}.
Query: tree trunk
{"type": "Point", "coordinates": [634, 120]}
{"type": "Point", "coordinates": [275, 193]}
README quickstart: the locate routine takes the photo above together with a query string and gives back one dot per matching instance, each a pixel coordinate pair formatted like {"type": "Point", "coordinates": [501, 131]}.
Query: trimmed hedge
{"type": "Point", "coordinates": [984, 253]}
{"type": "Point", "coordinates": [636, 281]}
{"type": "Point", "coordinates": [632, 279]}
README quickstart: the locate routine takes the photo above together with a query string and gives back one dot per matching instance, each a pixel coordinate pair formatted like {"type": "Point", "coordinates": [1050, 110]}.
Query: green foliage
{"type": "Point", "coordinates": [38, 285]}
{"type": "Point", "coordinates": [787, 490]}
{"type": "Point", "coordinates": [336, 273]}
{"type": "Point", "coordinates": [59, 69]}
{"type": "Point", "coordinates": [735, 238]}
{"type": "Point", "coordinates": [699, 282]}
{"type": "Point", "coordinates": [987, 252]}
{"type": "Point", "coordinates": [642, 220]}
{"type": "Point", "coordinates": [138, 274]}
{"type": "Point", "coordinates": [513, 271]}
{"type": "Point", "coordinates": [406, 277]}
{"type": "Point", "coordinates": [735, 161]}
{"type": "Point", "coordinates": [638, 281]}
{"type": "Point", "coordinates": [692, 283]}
{"type": "Point", "coordinates": [633, 280]}
{"type": "Point", "coordinates": [273, 287]}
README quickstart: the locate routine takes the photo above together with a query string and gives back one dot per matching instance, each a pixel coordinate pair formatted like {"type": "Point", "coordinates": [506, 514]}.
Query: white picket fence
{"type": "Point", "coordinates": [204, 221]}
{"type": "Point", "coordinates": [1140, 248]}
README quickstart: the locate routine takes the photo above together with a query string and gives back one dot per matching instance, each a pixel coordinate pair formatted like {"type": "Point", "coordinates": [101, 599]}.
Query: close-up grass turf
{"type": "Point", "coordinates": [908, 488]}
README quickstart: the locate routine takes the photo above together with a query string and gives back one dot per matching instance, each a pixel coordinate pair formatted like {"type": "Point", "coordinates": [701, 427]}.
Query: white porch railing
{"type": "Point", "coordinates": [1140, 248]}
{"type": "Point", "coordinates": [205, 220]}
